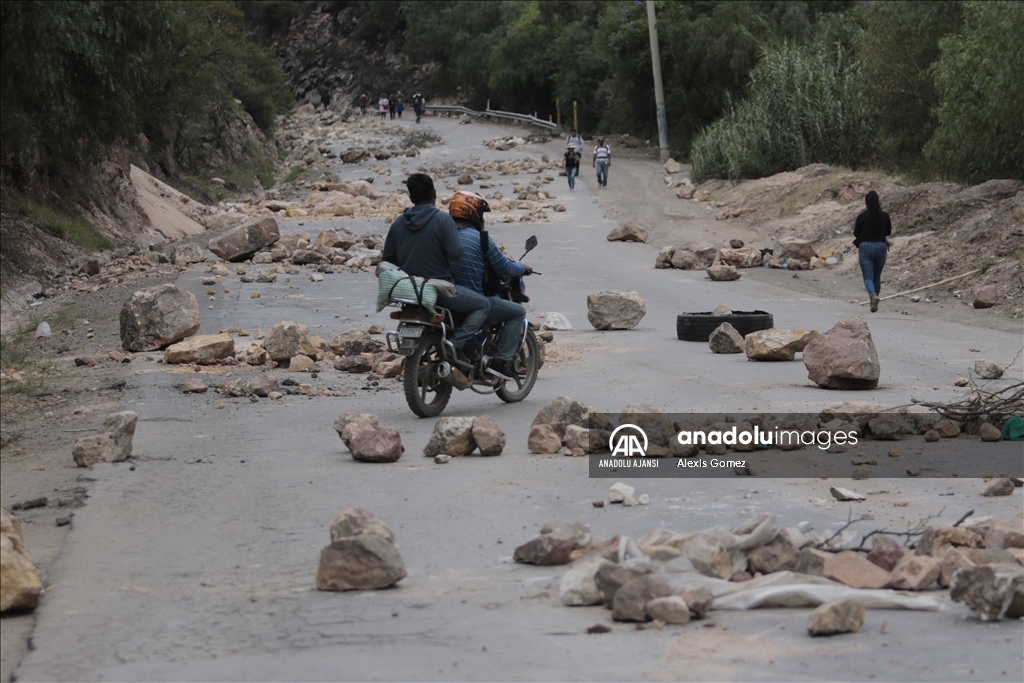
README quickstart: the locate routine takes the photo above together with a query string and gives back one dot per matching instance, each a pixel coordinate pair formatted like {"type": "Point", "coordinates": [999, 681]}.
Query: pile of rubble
{"type": "Point", "coordinates": [672, 577]}
{"type": "Point", "coordinates": [723, 263]}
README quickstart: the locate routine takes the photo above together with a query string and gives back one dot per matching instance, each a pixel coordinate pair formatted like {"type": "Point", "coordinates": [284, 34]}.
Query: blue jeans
{"type": "Point", "coordinates": [570, 173]}
{"type": "Point", "coordinates": [514, 317]}
{"type": "Point", "coordinates": [475, 306]}
{"type": "Point", "coordinates": [602, 173]}
{"type": "Point", "coordinates": [872, 259]}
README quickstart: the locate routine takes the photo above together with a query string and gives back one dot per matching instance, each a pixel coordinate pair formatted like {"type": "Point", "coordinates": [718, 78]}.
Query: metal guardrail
{"type": "Point", "coordinates": [493, 113]}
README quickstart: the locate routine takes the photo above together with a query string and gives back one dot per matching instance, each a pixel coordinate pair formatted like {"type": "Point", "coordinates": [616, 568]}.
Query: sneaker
{"type": "Point", "coordinates": [461, 357]}
{"type": "Point", "coordinates": [501, 369]}
{"type": "Point", "coordinates": [874, 303]}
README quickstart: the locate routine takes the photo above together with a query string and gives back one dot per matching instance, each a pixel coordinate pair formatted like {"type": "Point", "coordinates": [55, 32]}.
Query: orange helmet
{"type": "Point", "coordinates": [469, 206]}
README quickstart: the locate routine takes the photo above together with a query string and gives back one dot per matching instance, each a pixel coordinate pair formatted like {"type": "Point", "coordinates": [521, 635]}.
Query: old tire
{"type": "Point", "coordinates": [699, 326]}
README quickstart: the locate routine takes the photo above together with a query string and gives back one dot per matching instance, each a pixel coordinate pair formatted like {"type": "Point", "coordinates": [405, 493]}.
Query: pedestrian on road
{"type": "Point", "coordinates": [417, 105]}
{"type": "Point", "coordinates": [362, 105]}
{"type": "Point", "coordinates": [382, 105]}
{"type": "Point", "coordinates": [399, 103]}
{"type": "Point", "coordinates": [871, 237]}
{"type": "Point", "coordinates": [391, 106]}
{"type": "Point", "coordinates": [602, 161]}
{"type": "Point", "coordinates": [575, 140]}
{"type": "Point", "coordinates": [572, 166]}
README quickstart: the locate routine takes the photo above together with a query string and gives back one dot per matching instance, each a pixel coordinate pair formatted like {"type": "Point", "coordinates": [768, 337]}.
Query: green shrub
{"type": "Point", "coordinates": [67, 224]}
{"type": "Point", "coordinates": [803, 107]}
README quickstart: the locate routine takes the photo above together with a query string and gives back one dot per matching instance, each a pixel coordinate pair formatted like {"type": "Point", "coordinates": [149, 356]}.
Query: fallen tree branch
{"type": "Point", "coordinates": [934, 284]}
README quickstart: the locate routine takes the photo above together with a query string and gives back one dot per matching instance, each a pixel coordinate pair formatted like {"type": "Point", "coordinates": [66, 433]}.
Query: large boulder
{"type": "Point", "coordinates": [579, 586]}
{"type": "Point", "coordinates": [20, 584]}
{"type": "Point", "coordinates": [844, 357]}
{"type": "Point", "coordinates": [725, 339]}
{"type": "Point", "coordinates": [628, 232]}
{"type": "Point", "coordinates": [245, 240]}
{"type": "Point", "coordinates": [776, 343]}
{"type": "Point", "coordinates": [184, 254]}
{"type": "Point", "coordinates": [617, 309]}
{"type": "Point", "coordinates": [111, 443]}
{"type": "Point", "coordinates": [721, 273]}
{"type": "Point", "coordinates": [362, 562]}
{"type": "Point", "coordinates": [200, 348]}
{"type": "Point", "coordinates": [354, 343]}
{"type": "Point", "coordinates": [156, 317]}
{"type": "Point", "coordinates": [286, 340]}
{"type": "Point", "coordinates": [377, 444]}
{"type": "Point", "coordinates": [747, 257]}
{"type": "Point", "coordinates": [631, 599]}
{"type": "Point", "coordinates": [705, 252]}
{"type": "Point", "coordinates": [842, 616]}
{"type": "Point", "coordinates": [794, 248]}
{"type": "Point", "coordinates": [451, 436]}
{"type": "Point", "coordinates": [560, 413]}
{"type": "Point", "coordinates": [488, 436]}
{"type": "Point", "coordinates": [684, 259]}
{"type": "Point", "coordinates": [986, 296]}
{"type": "Point", "coordinates": [350, 425]}
{"type": "Point", "coordinates": [988, 589]}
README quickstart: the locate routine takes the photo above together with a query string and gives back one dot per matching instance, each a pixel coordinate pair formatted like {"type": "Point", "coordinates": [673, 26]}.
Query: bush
{"type": "Point", "coordinates": [67, 224]}
{"type": "Point", "coordinates": [803, 107]}
{"type": "Point", "coordinates": [981, 116]}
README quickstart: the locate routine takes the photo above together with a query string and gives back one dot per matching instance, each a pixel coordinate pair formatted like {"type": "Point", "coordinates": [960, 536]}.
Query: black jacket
{"type": "Point", "coordinates": [422, 241]}
{"type": "Point", "coordinates": [864, 231]}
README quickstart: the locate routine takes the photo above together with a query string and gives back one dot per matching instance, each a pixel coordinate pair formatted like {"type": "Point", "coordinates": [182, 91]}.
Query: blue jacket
{"type": "Point", "coordinates": [469, 270]}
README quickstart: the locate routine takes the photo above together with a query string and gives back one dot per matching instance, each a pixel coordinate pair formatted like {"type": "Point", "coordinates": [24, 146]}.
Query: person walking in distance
{"type": "Point", "coordinates": [399, 103]}
{"type": "Point", "coordinates": [602, 161]}
{"type": "Point", "coordinates": [392, 101]}
{"type": "Point", "coordinates": [424, 241]}
{"type": "Point", "coordinates": [362, 105]}
{"type": "Point", "coordinates": [382, 105]}
{"type": "Point", "coordinates": [572, 166]}
{"type": "Point", "coordinates": [575, 140]}
{"type": "Point", "coordinates": [871, 237]}
{"type": "Point", "coordinates": [417, 105]}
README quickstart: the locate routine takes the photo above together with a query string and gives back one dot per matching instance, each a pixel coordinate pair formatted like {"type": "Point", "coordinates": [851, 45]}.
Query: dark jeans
{"type": "Point", "coordinates": [475, 306]}
{"type": "Point", "coordinates": [872, 257]}
{"type": "Point", "coordinates": [602, 173]}
{"type": "Point", "coordinates": [570, 173]}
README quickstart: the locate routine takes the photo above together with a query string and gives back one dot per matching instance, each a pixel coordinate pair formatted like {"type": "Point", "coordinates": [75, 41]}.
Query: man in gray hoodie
{"type": "Point", "coordinates": [421, 242]}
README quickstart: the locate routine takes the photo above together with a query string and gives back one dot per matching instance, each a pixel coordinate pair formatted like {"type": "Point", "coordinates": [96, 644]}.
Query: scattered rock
{"type": "Point", "coordinates": [185, 254]}
{"type": "Point", "coordinates": [670, 610]}
{"type": "Point", "coordinates": [350, 425]}
{"type": "Point", "coordinates": [844, 357]}
{"type": "Point", "coordinates": [951, 561]}
{"type": "Point", "coordinates": [353, 364]}
{"type": "Point", "coordinates": [544, 439]}
{"type": "Point", "coordinates": [707, 554]}
{"type": "Point", "coordinates": [886, 552]}
{"type": "Point", "coordinates": [377, 444]}
{"type": "Point", "coordinates": [245, 240]}
{"type": "Point", "coordinates": [487, 436]}
{"type": "Point", "coordinates": [740, 258]}
{"type": "Point", "coordinates": [354, 343]}
{"type": "Point", "coordinates": [610, 578]}
{"type": "Point", "coordinates": [200, 348]}
{"type": "Point", "coordinates": [262, 385]}
{"type": "Point", "coordinates": [618, 309]}
{"type": "Point", "coordinates": [947, 428]}
{"type": "Point", "coordinates": [111, 443]}
{"type": "Point", "coordinates": [698, 599]}
{"type": "Point", "coordinates": [852, 569]}
{"type": "Point", "coordinates": [986, 369]}
{"type": "Point", "coordinates": [988, 589]}
{"type": "Point", "coordinates": [302, 363]}
{"type": "Point", "coordinates": [194, 386]}
{"type": "Point", "coordinates": [841, 616]}
{"type": "Point", "coordinates": [794, 248]}
{"type": "Point", "coordinates": [811, 561]}
{"type": "Point", "coordinates": [725, 339]}
{"type": "Point", "coordinates": [775, 556]}
{"type": "Point", "coordinates": [840, 493]}
{"type": "Point", "coordinates": [365, 560]}
{"type": "Point", "coordinates": [579, 586]}
{"type": "Point", "coordinates": [155, 317]}
{"type": "Point", "coordinates": [672, 166]}
{"type": "Point", "coordinates": [932, 436]}
{"type": "Point", "coordinates": [628, 232]}
{"type": "Point", "coordinates": [547, 549]}
{"type": "Point", "coordinates": [998, 487]}
{"type": "Point", "coordinates": [722, 273]}
{"type": "Point", "coordinates": [736, 244]}
{"type": "Point", "coordinates": [390, 369]}
{"type": "Point", "coordinates": [356, 521]}
{"type": "Point", "coordinates": [442, 459]}
{"type": "Point", "coordinates": [619, 492]}
{"type": "Point", "coordinates": [631, 599]}
{"type": "Point", "coordinates": [684, 259]}
{"type": "Point", "coordinates": [452, 436]}
{"type": "Point", "coordinates": [961, 382]}
{"type": "Point", "coordinates": [915, 572]}
{"type": "Point", "coordinates": [777, 344]}
{"type": "Point", "coordinates": [934, 538]}
{"type": "Point", "coordinates": [557, 322]}
{"type": "Point", "coordinates": [986, 296]}
{"type": "Point", "coordinates": [286, 340]}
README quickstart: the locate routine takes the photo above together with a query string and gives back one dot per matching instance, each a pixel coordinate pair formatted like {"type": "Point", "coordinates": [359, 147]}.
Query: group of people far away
{"type": "Point", "coordinates": [601, 160]}
{"type": "Point", "coordinates": [429, 243]}
{"type": "Point", "coordinates": [393, 105]}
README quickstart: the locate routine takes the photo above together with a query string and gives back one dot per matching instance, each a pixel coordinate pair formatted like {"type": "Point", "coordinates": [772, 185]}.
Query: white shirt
{"type": "Point", "coordinates": [602, 152]}
{"type": "Point", "coordinates": [575, 141]}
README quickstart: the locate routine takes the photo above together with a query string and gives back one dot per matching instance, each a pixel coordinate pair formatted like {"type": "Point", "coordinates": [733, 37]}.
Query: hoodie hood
{"type": "Point", "coordinates": [417, 217]}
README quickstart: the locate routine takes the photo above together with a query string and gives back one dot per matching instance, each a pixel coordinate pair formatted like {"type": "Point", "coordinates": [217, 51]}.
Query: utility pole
{"type": "Point", "coordinates": [575, 116]}
{"type": "Point", "coordinates": [659, 89]}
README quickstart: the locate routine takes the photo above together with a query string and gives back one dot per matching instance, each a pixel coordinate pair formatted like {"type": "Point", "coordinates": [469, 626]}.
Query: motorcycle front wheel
{"type": "Point", "coordinates": [527, 363]}
{"type": "Point", "coordinates": [425, 391]}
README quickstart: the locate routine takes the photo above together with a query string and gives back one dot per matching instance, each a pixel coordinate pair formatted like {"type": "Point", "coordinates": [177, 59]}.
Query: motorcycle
{"type": "Point", "coordinates": [432, 368]}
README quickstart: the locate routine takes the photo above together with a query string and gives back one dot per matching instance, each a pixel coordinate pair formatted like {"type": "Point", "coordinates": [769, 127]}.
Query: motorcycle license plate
{"type": "Point", "coordinates": [410, 331]}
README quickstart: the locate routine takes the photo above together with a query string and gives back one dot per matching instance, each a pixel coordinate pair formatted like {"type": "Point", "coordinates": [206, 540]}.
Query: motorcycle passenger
{"type": "Point", "coordinates": [423, 242]}
{"type": "Point", "coordinates": [470, 270]}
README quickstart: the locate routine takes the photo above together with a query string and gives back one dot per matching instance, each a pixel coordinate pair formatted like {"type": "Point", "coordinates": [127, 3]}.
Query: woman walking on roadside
{"type": "Point", "coordinates": [382, 105]}
{"type": "Point", "coordinates": [871, 237]}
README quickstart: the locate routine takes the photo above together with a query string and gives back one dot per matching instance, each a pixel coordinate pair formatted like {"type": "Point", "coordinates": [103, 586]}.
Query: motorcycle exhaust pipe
{"type": "Point", "coordinates": [444, 370]}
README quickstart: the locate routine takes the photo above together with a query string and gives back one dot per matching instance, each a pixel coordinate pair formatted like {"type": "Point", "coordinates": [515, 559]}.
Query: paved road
{"type": "Point", "coordinates": [197, 561]}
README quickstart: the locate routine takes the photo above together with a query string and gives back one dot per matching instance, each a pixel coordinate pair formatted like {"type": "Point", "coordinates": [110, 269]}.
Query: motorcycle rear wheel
{"type": "Point", "coordinates": [425, 391]}
{"type": "Point", "coordinates": [527, 363]}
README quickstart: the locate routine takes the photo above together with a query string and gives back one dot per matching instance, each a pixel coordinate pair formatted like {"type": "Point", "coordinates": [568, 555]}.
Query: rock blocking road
{"type": "Point", "coordinates": [200, 563]}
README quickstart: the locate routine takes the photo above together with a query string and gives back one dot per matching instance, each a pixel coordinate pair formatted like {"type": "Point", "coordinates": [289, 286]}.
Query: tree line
{"type": "Point", "coordinates": [930, 88]}
{"type": "Point", "coordinates": [161, 76]}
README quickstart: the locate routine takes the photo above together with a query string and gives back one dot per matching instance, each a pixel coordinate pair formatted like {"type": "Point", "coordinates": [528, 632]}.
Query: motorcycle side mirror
{"type": "Point", "coordinates": [531, 243]}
